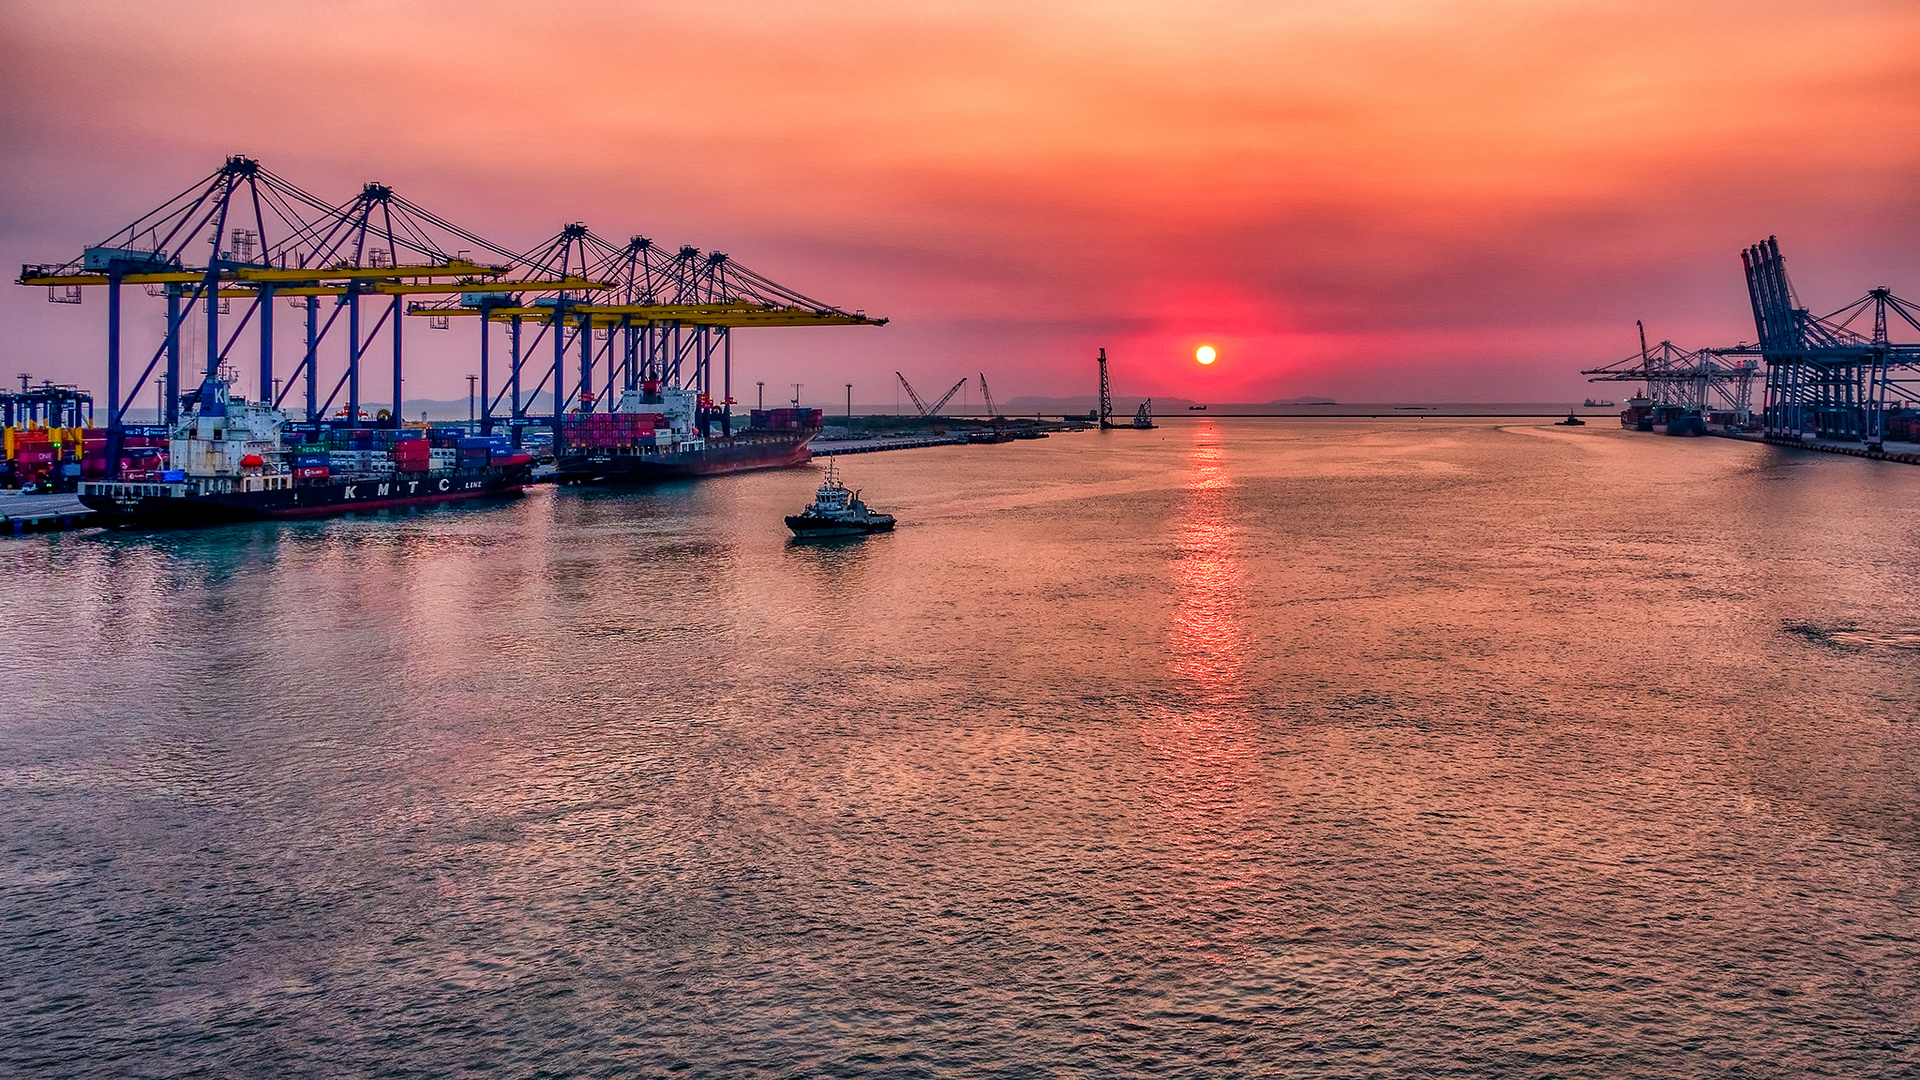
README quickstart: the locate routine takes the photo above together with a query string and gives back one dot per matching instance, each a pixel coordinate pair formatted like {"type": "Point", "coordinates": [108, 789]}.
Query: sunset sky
{"type": "Point", "coordinates": [1390, 201]}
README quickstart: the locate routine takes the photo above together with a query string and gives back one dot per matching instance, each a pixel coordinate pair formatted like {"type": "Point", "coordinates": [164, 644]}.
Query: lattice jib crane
{"type": "Point", "coordinates": [917, 403]}
{"type": "Point", "coordinates": [934, 409]}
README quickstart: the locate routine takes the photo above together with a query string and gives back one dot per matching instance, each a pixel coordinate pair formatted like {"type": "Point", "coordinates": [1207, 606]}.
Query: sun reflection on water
{"type": "Point", "coordinates": [1207, 640]}
{"type": "Point", "coordinates": [1203, 735]}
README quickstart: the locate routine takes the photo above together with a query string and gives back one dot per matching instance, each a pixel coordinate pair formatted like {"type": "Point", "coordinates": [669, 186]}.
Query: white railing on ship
{"type": "Point", "coordinates": [120, 490]}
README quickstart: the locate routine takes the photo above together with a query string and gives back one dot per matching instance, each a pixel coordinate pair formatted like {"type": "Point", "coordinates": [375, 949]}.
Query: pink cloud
{"type": "Point", "coordinates": [1412, 200]}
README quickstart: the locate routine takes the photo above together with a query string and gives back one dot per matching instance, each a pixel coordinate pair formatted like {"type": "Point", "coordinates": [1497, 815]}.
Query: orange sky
{"type": "Point", "coordinates": [1385, 201]}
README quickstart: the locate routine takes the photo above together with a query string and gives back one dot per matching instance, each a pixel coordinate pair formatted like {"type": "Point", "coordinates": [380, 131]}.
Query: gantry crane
{"type": "Point", "coordinates": [1824, 377]}
{"type": "Point", "coordinates": [1699, 380]}
{"type": "Point", "coordinates": [673, 314]}
{"type": "Point", "coordinates": [244, 233]}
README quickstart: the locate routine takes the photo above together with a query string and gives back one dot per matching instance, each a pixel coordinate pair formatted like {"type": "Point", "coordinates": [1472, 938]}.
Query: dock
{"type": "Point", "coordinates": [836, 447]}
{"type": "Point", "coordinates": [1905, 454]}
{"type": "Point", "coordinates": [22, 514]}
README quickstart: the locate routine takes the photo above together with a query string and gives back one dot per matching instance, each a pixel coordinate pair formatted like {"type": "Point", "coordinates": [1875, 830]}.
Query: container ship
{"type": "Point", "coordinates": [227, 461]}
{"type": "Point", "coordinates": [657, 434]}
{"type": "Point", "coordinates": [1644, 414]}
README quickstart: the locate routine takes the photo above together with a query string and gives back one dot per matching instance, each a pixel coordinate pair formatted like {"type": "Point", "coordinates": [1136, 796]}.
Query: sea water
{"type": "Point", "coordinates": [1310, 747]}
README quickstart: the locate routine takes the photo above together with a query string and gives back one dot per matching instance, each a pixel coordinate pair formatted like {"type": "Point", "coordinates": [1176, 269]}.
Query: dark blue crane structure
{"type": "Point", "coordinates": [1691, 380]}
{"type": "Point", "coordinates": [48, 403]}
{"type": "Point", "coordinates": [653, 318]}
{"type": "Point", "coordinates": [1825, 378]}
{"type": "Point", "coordinates": [246, 234]}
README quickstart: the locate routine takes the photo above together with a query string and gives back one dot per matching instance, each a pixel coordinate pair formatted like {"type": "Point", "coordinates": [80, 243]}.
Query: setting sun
{"type": "Point", "coordinates": [1204, 354]}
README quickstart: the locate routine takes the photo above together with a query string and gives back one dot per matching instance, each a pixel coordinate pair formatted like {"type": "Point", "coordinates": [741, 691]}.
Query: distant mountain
{"type": "Point", "coordinates": [1303, 401]}
{"type": "Point", "coordinates": [456, 408]}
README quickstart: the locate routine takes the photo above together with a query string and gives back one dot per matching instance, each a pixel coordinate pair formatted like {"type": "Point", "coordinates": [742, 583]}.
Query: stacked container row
{"type": "Point", "coordinates": [611, 430]}
{"type": "Point", "coordinates": [786, 419]}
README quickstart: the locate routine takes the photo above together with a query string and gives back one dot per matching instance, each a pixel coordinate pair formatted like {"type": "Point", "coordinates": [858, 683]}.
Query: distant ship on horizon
{"type": "Point", "coordinates": [1602, 403]}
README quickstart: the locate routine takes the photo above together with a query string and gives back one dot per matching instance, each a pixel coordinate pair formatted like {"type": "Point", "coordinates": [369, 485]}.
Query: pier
{"type": "Point", "coordinates": [837, 447]}
{"type": "Point", "coordinates": [1909, 456]}
{"type": "Point", "coordinates": [22, 514]}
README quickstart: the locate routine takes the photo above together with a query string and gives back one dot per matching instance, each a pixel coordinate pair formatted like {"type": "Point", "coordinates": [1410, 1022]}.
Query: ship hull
{"type": "Point", "coordinates": [769, 451]}
{"type": "Point", "coordinates": [307, 500]}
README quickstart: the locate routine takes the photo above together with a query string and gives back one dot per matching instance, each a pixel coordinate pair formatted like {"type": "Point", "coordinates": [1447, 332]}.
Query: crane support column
{"type": "Point", "coordinates": [266, 343]}
{"type": "Point", "coordinates": [353, 356]}
{"type": "Point", "coordinates": [559, 368]}
{"type": "Point", "coordinates": [171, 409]}
{"type": "Point", "coordinates": [114, 426]}
{"type": "Point", "coordinates": [397, 399]}
{"type": "Point", "coordinates": [586, 363]}
{"type": "Point", "coordinates": [212, 301]}
{"type": "Point", "coordinates": [486, 399]}
{"type": "Point", "coordinates": [517, 414]}
{"type": "Point", "coordinates": [313, 358]}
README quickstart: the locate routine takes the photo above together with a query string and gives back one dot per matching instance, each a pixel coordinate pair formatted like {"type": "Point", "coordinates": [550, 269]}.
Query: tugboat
{"type": "Point", "coordinates": [1571, 421]}
{"type": "Point", "coordinates": [835, 511]}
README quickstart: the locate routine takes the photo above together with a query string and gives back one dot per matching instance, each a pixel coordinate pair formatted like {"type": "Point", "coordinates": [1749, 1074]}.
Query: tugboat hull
{"type": "Point", "coordinates": [804, 527]}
